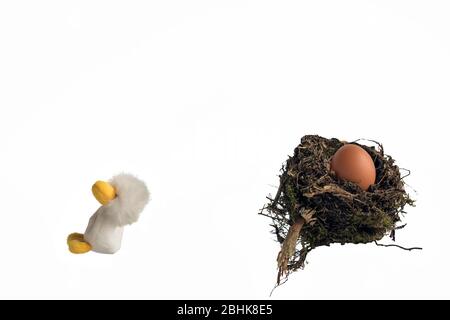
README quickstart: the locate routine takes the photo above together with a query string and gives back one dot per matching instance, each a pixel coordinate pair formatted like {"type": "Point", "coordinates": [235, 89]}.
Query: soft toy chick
{"type": "Point", "coordinates": [123, 198]}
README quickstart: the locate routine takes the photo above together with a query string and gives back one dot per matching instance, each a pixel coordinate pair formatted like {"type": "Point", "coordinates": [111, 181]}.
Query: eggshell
{"type": "Point", "coordinates": [353, 163]}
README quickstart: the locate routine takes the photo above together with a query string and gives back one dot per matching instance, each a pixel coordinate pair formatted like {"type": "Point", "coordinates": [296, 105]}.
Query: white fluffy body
{"type": "Point", "coordinates": [132, 197]}
{"type": "Point", "coordinates": [105, 229]}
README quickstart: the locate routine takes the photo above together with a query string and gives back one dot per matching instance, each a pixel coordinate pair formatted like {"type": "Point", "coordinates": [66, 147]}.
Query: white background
{"type": "Point", "coordinates": [204, 100]}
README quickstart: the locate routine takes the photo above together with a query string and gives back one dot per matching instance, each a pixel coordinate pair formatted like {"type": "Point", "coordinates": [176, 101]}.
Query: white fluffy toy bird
{"type": "Point", "coordinates": [123, 199]}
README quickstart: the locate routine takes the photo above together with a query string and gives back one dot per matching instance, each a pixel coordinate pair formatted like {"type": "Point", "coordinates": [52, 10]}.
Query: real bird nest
{"type": "Point", "coordinates": [314, 208]}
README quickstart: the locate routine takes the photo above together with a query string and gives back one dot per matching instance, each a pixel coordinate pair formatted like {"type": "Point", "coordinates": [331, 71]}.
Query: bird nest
{"type": "Point", "coordinates": [314, 208]}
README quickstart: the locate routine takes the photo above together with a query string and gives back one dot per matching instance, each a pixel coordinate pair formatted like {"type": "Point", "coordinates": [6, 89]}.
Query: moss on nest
{"type": "Point", "coordinates": [343, 213]}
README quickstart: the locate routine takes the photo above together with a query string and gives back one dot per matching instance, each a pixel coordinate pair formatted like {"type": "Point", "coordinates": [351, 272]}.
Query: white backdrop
{"type": "Point", "coordinates": [204, 100]}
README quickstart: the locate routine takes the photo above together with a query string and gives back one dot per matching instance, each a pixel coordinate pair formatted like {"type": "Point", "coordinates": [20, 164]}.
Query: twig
{"type": "Point", "coordinates": [280, 189]}
{"type": "Point", "coordinates": [272, 217]}
{"type": "Point", "coordinates": [278, 285]}
{"type": "Point", "coordinates": [401, 227]}
{"type": "Point", "coordinates": [380, 146]}
{"type": "Point", "coordinates": [407, 174]}
{"type": "Point", "coordinates": [397, 246]}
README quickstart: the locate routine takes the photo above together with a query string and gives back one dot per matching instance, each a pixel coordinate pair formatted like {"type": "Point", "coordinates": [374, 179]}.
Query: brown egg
{"type": "Point", "coordinates": [353, 163]}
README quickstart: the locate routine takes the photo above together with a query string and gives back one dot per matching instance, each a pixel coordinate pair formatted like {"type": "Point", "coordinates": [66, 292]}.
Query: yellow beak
{"type": "Point", "coordinates": [103, 192]}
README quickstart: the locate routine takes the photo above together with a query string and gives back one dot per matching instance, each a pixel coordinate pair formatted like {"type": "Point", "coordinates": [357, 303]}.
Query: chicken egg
{"type": "Point", "coordinates": [353, 163]}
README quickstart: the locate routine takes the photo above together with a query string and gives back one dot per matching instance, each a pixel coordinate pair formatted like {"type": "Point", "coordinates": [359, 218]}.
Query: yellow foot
{"type": "Point", "coordinates": [75, 236]}
{"type": "Point", "coordinates": [77, 244]}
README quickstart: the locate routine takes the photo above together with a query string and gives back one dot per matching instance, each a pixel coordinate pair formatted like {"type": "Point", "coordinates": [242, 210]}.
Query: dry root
{"type": "Point", "coordinates": [289, 244]}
